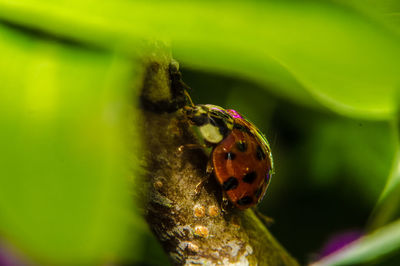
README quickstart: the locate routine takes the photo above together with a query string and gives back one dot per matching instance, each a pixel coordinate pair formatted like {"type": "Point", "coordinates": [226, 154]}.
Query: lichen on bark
{"type": "Point", "coordinates": [191, 227]}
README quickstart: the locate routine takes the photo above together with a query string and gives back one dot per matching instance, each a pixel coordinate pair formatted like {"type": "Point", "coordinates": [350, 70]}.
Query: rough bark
{"type": "Point", "coordinates": [192, 228]}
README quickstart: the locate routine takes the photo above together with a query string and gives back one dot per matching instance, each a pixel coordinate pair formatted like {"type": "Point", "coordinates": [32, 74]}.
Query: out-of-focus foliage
{"type": "Point", "coordinates": [63, 184]}
{"type": "Point", "coordinates": [306, 49]}
{"type": "Point", "coordinates": [342, 146]}
{"type": "Point", "coordinates": [378, 243]}
{"type": "Point", "coordinates": [385, 11]}
{"type": "Point", "coordinates": [321, 73]}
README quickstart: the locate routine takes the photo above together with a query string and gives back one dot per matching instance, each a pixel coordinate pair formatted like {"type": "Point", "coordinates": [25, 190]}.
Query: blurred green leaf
{"type": "Point", "coordinates": [344, 59]}
{"type": "Point", "coordinates": [387, 208]}
{"type": "Point", "coordinates": [386, 11]}
{"type": "Point", "coordinates": [367, 248]}
{"type": "Point", "coordinates": [63, 175]}
{"type": "Point", "coordinates": [342, 148]}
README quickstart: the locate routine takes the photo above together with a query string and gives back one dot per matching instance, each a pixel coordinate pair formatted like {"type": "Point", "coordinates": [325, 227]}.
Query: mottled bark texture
{"type": "Point", "coordinates": [192, 228]}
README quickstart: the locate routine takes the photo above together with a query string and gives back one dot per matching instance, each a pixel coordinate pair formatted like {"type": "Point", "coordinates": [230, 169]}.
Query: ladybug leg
{"type": "Point", "coordinates": [209, 170]}
{"type": "Point", "coordinates": [224, 202]}
{"type": "Point", "coordinates": [190, 146]}
{"type": "Point", "coordinates": [200, 185]}
{"type": "Point", "coordinates": [267, 221]}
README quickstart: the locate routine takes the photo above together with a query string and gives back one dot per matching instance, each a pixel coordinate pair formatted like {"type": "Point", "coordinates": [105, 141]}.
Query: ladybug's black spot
{"type": "Point", "coordinates": [220, 123]}
{"type": "Point", "coordinates": [250, 177]}
{"type": "Point", "coordinates": [230, 156]}
{"type": "Point", "coordinates": [230, 184]}
{"type": "Point", "coordinates": [260, 155]}
{"type": "Point", "coordinates": [246, 200]}
{"type": "Point", "coordinates": [241, 146]}
{"type": "Point", "coordinates": [200, 120]}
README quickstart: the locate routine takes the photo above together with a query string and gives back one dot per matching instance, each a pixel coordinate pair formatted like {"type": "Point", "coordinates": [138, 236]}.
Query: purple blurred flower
{"type": "Point", "coordinates": [8, 257]}
{"type": "Point", "coordinates": [339, 240]}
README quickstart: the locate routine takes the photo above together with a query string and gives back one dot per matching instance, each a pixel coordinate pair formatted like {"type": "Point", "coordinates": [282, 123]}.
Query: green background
{"type": "Point", "coordinates": [319, 78]}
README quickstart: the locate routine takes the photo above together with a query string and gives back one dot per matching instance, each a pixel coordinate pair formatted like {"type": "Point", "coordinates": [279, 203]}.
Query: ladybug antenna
{"type": "Point", "coordinates": [176, 79]}
{"type": "Point", "coordinates": [188, 97]}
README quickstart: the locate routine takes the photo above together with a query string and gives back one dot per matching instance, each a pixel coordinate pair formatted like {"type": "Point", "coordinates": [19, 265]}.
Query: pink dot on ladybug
{"type": "Point", "coordinates": [234, 114]}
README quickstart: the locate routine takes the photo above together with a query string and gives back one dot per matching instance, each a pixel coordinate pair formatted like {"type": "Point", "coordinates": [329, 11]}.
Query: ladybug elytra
{"type": "Point", "coordinates": [241, 158]}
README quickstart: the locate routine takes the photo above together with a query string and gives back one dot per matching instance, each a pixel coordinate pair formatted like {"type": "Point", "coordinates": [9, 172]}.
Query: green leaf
{"type": "Point", "coordinates": [309, 50]}
{"type": "Point", "coordinates": [63, 176]}
{"type": "Point", "coordinates": [387, 208]}
{"type": "Point", "coordinates": [364, 150]}
{"type": "Point", "coordinates": [387, 11]}
{"type": "Point", "coordinates": [367, 248]}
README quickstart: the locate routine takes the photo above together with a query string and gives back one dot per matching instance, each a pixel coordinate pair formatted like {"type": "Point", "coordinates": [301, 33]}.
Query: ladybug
{"type": "Point", "coordinates": [240, 158]}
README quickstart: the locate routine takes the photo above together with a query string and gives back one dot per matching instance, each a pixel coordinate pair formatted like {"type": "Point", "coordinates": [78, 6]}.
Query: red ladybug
{"type": "Point", "coordinates": [241, 158]}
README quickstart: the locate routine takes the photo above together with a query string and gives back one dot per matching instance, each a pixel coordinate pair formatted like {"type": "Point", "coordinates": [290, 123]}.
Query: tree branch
{"type": "Point", "coordinates": [192, 228]}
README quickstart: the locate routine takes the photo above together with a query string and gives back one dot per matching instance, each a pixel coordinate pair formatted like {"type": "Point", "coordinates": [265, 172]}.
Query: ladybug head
{"type": "Point", "coordinates": [213, 121]}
